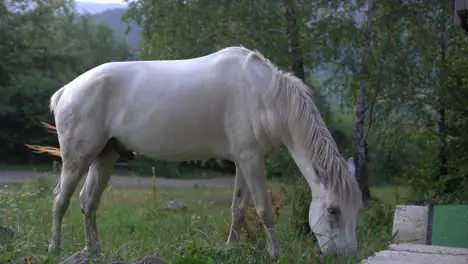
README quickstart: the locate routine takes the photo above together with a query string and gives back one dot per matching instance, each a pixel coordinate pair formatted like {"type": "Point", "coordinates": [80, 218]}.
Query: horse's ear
{"type": "Point", "coordinates": [351, 167]}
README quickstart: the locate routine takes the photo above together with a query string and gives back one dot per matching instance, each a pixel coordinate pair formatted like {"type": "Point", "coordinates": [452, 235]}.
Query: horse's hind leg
{"type": "Point", "coordinates": [79, 146]}
{"type": "Point", "coordinates": [96, 182]}
{"type": "Point", "coordinates": [69, 178]}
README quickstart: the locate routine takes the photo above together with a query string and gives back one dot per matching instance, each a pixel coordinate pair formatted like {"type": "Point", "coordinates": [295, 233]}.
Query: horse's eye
{"type": "Point", "coordinates": [333, 210]}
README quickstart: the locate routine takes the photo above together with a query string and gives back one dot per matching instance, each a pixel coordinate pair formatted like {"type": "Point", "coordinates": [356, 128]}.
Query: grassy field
{"type": "Point", "coordinates": [133, 224]}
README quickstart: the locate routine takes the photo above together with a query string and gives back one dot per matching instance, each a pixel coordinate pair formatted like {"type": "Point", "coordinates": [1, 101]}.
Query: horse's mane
{"type": "Point", "coordinates": [303, 117]}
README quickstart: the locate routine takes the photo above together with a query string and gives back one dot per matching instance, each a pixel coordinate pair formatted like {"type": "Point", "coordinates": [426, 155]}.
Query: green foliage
{"type": "Point", "coordinates": [416, 68]}
{"type": "Point", "coordinates": [375, 224]}
{"type": "Point", "coordinates": [425, 181]}
{"type": "Point", "coordinates": [301, 198]}
{"type": "Point", "coordinates": [185, 29]}
{"type": "Point", "coordinates": [42, 49]}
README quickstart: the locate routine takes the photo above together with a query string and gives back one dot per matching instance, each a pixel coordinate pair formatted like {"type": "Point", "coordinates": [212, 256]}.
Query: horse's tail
{"type": "Point", "coordinates": [54, 99]}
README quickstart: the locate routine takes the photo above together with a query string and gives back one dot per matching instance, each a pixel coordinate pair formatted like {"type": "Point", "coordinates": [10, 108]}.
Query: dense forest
{"type": "Point", "coordinates": [390, 77]}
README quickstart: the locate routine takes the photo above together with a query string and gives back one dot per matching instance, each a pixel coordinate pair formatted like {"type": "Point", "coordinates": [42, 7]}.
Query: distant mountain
{"type": "Point", "coordinates": [94, 8]}
{"type": "Point", "coordinates": [110, 15]}
{"type": "Point", "coordinates": [112, 19]}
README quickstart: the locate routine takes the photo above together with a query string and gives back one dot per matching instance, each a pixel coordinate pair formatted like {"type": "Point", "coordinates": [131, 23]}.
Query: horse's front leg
{"type": "Point", "coordinates": [240, 202]}
{"type": "Point", "coordinates": [253, 168]}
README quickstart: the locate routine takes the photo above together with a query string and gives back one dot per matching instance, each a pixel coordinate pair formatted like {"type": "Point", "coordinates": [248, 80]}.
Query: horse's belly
{"type": "Point", "coordinates": [177, 140]}
{"type": "Point", "coordinates": [179, 150]}
{"type": "Point", "coordinates": [174, 149]}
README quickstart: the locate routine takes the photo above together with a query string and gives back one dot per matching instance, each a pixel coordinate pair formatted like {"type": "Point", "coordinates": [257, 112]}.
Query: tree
{"type": "Point", "coordinates": [43, 47]}
{"type": "Point", "coordinates": [361, 136]}
{"type": "Point", "coordinates": [292, 33]}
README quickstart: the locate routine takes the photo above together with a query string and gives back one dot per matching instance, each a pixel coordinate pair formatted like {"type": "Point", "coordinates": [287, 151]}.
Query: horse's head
{"type": "Point", "coordinates": [333, 219]}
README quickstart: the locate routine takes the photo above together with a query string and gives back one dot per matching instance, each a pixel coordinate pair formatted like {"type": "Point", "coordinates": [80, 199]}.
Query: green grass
{"type": "Point", "coordinates": [390, 194]}
{"type": "Point", "coordinates": [132, 224]}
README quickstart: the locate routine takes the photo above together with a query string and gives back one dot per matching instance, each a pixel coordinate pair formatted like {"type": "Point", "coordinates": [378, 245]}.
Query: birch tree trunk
{"type": "Point", "coordinates": [292, 32]}
{"type": "Point", "coordinates": [360, 135]}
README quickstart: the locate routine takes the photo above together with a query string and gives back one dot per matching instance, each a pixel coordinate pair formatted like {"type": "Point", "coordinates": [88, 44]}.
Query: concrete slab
{"type": "Point", "coordinates": [410, 223]}
{"type": "Point", "coordinates": [429, 249]}
{"type": "Point", "coordinates": [419, 254]}
{"type": "Point", "coordinates": [404, 257]}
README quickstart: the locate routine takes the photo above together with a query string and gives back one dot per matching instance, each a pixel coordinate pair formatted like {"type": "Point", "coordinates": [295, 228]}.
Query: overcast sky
{"type": "Point", "coordinates": [103, 1]}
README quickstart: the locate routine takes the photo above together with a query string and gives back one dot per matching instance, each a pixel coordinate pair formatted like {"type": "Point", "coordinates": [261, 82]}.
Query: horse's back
{"type": "Point", "coordinates": [142, 80]}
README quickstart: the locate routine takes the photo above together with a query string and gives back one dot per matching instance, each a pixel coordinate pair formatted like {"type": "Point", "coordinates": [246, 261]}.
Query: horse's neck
{"type": "Point", "coordinates": [304, 163]}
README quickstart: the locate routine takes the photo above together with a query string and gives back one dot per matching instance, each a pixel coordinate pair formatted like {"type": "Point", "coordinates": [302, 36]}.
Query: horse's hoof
{"type": "Point", "coordinates": [86, 250]}
{"type": "Point", "coordinates": [232, 243]}
{"type": "Point", "coordinates": [54, 250]}
{"type": "Point", "coordinates": [274, 254]}
{"type": "Point", "coordinates": [94, 251]}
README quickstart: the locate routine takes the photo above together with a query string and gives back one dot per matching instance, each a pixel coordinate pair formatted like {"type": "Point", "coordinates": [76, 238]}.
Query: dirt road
{"type": "Point", "coordinates": [220, 180]}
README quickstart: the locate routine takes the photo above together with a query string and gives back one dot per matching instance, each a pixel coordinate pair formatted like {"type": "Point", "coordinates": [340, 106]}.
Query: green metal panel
{"type": "Point", "coordinates": [450, 226]}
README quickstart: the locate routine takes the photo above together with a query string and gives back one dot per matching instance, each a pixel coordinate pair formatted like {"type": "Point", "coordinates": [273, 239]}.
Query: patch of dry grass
{"type": "Point", "coordinates": [252, 227]}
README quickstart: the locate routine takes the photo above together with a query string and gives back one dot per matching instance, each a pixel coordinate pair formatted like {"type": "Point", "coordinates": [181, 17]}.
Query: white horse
{"type": "Point", "coordinates": [233, 104]}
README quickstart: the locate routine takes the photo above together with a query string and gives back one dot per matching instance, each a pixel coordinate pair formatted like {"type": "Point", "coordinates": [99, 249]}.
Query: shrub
{"type": "Point", "coordinates": [252, 227]}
